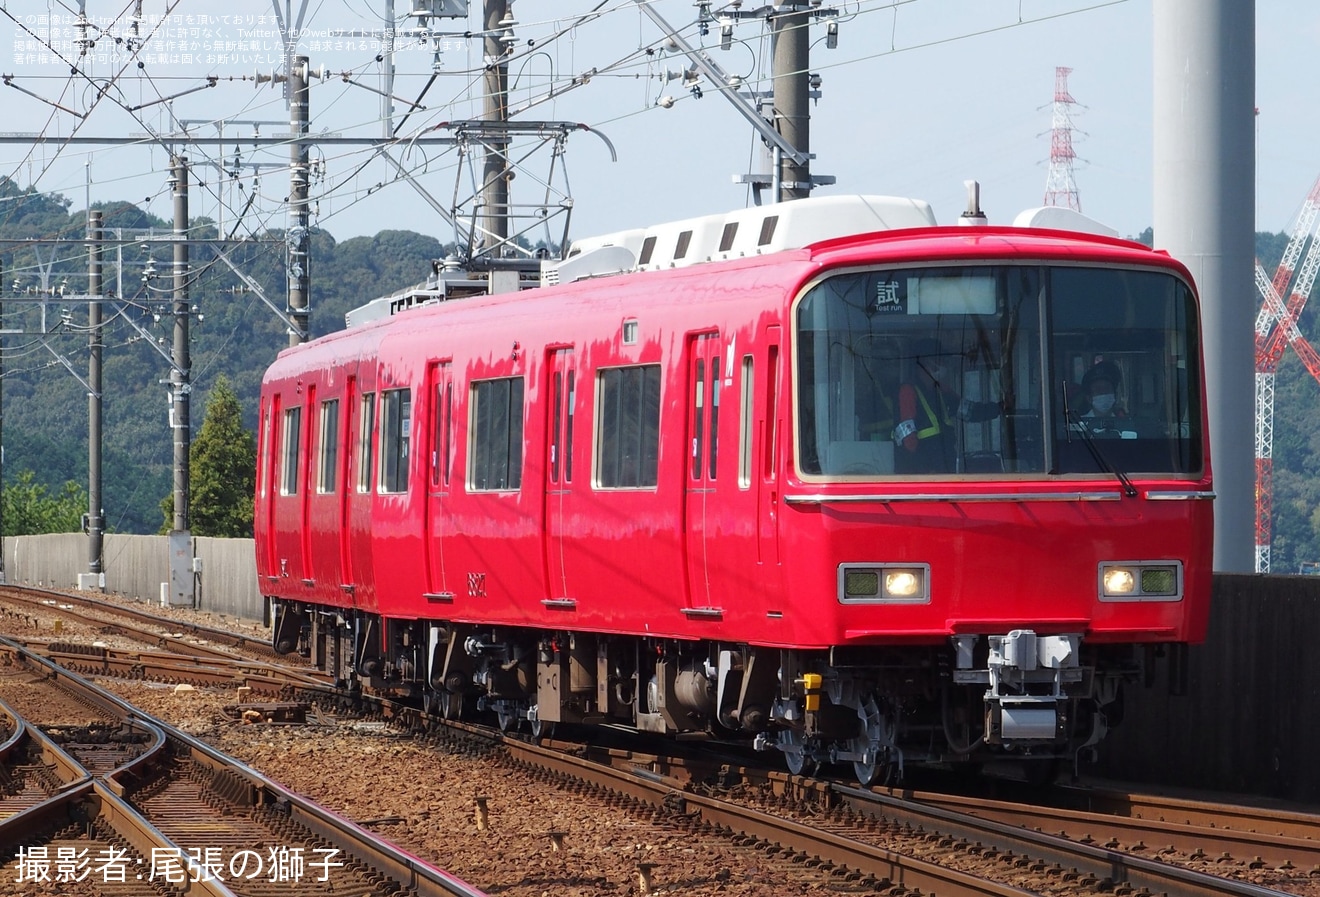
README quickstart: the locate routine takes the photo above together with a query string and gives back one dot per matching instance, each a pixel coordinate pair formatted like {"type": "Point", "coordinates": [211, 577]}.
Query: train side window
{"type": "Point", "coordinates": [561, 423]}
{"type": "Point", "coordinates": [628, 411]}
{"type": "Point", "coordinates": [395, 436]}
{"type": "Point", "coordinates": [727, 237]}
{"type": "Point", "coordinates": [329, 454]}
{"type": "Point", "coordinates": [648, 249]}
{"type": "Point", "coordinates": [265, 452]}
{"type": "Point", "coordinates": [745, 425]}
{"type": "Point", "coordinates": [556, 426]}
{"type": "Point", "coordinates": [442, 421]}
{"type": "Point", "coordinates": [681, 247]}
{"type": "Point", "coordinates": [449, 432]}
{"type": "Point", "coordinates": [771, 413]}
{"type": "Point", "coordinates": [698, 419]}
{"type": "Point", "coordinates": [496, 435]}
{"type": "Point", "coordinates": [568, 430]}
{"type": "Point", "coordinates": [365, 444]}
{"type": "Point", "coordinates": [289, 457]}
{"type": "Point", "coordinates": [714, 413]}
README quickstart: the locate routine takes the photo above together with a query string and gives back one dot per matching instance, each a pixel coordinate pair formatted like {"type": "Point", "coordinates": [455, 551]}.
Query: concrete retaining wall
{"type": "Point", "coordinates": [136, 566]}
{"type": "Point", "coordinates": [1249, 722]}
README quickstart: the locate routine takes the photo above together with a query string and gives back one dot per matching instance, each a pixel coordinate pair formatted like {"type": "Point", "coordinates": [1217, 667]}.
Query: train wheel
{"type": "Point", "coordinates": [878, 769]}
{"type": "Point", "coordinates": [451, 704]}
{"type": "Point", "coordinates": [797, 759]}
{"type": "Point", "coordinates": [507, 719]}
{"type": "Point", "coordinates": [542, 728]}
{"type": "Point", "coordinates": [877, 772]}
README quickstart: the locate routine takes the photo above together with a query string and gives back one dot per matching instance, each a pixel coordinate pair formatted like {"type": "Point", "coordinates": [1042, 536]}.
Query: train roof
{"type": "Point", "coordinates": [828, 230]}
{"type": "Point", "coordinates": [743, 233]}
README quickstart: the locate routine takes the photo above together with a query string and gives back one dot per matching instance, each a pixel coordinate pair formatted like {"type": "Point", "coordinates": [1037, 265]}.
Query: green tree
{"type": "Point", "coordinates": [222, 470]}
{"type": "Point", "coordinates": [30, 508]}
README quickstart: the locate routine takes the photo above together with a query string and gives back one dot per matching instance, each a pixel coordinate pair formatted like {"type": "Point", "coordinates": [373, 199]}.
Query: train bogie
{"type": "Point", "coordinates": [851, 502]}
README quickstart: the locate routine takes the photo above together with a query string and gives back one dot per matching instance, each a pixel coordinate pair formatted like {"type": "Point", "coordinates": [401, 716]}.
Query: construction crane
{"type": "Point", "coordinates": [1276, 329]}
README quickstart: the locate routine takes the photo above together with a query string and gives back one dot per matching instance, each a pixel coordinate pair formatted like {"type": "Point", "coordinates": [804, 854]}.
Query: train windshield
{"type": "Point", "coordinates": [998, 370]}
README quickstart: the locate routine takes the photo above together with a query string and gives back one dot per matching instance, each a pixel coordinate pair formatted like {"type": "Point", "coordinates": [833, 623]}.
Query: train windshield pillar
{"type": "Point", "coordinates": [997, 370]}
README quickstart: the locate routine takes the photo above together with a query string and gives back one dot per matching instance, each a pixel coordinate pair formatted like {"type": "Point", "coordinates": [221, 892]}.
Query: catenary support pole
{"type": "Point", "coordinates": [2, 419]}
{"type": "Point", "coordinates": [95, 346]}
{"type": "Point", "coordinates": [299, 175]}
{"type": "Point", "coordinates": [181, 586]}
{"type": "Point", "coordinates": [495, 170]}
{"type": "Point", "coordinates": [792, 93]}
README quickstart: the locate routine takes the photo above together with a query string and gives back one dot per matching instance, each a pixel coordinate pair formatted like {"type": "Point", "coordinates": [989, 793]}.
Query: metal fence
{"type": "Point", "coordinates": [225, 578]}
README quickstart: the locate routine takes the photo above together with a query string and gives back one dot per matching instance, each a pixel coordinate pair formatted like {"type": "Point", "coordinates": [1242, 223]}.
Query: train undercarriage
{"type": "Point", "coordinates": [1045, 700]}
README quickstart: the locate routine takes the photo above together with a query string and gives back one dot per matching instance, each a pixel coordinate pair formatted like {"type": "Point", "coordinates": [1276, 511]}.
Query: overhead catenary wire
{"type": "Point", "coordinates": [346, 192]}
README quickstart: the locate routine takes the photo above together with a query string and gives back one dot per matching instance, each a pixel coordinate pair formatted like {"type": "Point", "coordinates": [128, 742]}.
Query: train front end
{"type": "Point", "coordinates": [1000, 469]}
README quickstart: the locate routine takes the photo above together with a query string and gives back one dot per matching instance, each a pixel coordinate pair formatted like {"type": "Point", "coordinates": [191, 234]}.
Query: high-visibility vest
{"type": "Point", "coordinates": [934, 428]}
{"type": "Point", "coordinates": [936, 422]}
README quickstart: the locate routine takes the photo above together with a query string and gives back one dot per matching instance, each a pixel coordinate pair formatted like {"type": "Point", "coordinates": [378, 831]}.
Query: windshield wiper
{"type": "Point", "coordinates": [1093, 447]}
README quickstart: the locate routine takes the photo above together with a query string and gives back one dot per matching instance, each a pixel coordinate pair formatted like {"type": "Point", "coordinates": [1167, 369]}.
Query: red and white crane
{"type": "Point", "coordinates": [1276, 329]}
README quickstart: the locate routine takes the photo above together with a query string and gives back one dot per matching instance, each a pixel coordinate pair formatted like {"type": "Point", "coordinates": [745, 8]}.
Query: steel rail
{"type": "Point", "coordinates": [662, 791]}
{"type": "Point", "coordinates": [1281, 821]}
{"type": "Point", "coordinates": [1102, 863]}
{"type": "Point", "coordinates": [1253, 836]}
{"type": "Point", "coordinates": [210, 633]}
{"type": "Point", "coordinates": [87, 660]}
{"type": "Point", "coordinates": [243, 784]}
{"type": "Point", "coordinates": [402, 867]}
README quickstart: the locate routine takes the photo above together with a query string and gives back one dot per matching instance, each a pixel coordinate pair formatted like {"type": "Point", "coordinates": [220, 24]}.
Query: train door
{"type": "Point", "coordinates": [289, 491]}
{"type": "Point", "coordinates": [703, 410]}
{"type": "Point", "coordinates": [265, 483]}
{"type": "Point", "coordinates": [362, 489]}
{"type": "Point", "coordinates": [344, 483]}
{"type": "Point", "coordinates": [558, 469]}
{"type": "Point", "coordinates": [307, 484]}
{"type": "Point", "coordinates": [767, 463]}
{"type": "Point", "coordinates": [440, 465]}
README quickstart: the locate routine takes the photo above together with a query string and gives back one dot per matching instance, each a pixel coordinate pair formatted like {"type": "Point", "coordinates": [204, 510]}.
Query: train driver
{"type": "Point", "coordinates": [1100, 387]}
{"type": "Point", "coordinates": [929, 409]}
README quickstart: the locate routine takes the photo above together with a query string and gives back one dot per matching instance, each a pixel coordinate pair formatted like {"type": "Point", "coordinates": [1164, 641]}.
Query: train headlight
{"type": "Point", "coordinates": [1119, 581]}
{"type": "Point", "coordinates": [902, 583]}
{"type": "Point", "coordinates": [1141, 581]}
{"type": "Point", "coordinates": [884, 583]}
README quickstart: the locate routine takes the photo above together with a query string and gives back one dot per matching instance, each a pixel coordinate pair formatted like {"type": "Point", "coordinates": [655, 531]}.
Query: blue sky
{"type": "Point", "coordinates": [917, 97]}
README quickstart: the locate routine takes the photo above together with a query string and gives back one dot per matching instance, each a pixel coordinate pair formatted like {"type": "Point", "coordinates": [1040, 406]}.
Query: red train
{"type": "Point", "coordinates": [903, 494]}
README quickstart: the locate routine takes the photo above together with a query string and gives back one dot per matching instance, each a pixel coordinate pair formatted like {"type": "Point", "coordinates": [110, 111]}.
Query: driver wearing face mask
{"type": "Point", "coordinates": [1101, 384]}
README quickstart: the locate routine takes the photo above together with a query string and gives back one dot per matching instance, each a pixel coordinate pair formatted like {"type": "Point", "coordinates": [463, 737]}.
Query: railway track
{"type": "Point", "coordinates": [52, 614]}
{"type": "Point", "coordinates": [850, 839]}
{"type": "Point", "coordinates": [899, 841]}
{"type": "Point", "coordinates": [1200, 833]}
{"type": "Point", "coordinates": [176, 813]}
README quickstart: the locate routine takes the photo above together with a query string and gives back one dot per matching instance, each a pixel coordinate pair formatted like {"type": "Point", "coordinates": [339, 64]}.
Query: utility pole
{"type": "Point", "coordinates": [2, 419]}
{"type": "Point", "coordinates": [495, 174]}
{"type": "Point", "coordinates": [181, 555]}
{"type": "Point", "coordinates": [298, 238]}
{"type": "Point", "coordinates": [387, 74]}
{"type": "Point", "coordinates": [791, 48]}
{"type": "Point", "coordinates": [785, 125]}
{"type": "Point", "coordinates": [95, 346]}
